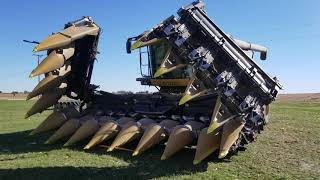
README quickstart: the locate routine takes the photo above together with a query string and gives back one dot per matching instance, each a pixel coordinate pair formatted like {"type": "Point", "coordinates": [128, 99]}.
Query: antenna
{"type": "Point", "coordinates": [38, 55]}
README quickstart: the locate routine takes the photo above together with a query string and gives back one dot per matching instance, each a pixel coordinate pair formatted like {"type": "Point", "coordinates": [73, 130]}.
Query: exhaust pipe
{"type": "Point", "coordinates": [254, 47]}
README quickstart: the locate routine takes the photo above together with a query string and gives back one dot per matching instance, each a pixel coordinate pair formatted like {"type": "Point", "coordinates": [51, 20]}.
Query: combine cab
{"type": "Point", "coordinates": [212, 95]}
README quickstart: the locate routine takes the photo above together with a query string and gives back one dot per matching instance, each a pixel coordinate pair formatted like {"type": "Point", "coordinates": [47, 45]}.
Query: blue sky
{"type": "Point", "coordinates": [290, 29]}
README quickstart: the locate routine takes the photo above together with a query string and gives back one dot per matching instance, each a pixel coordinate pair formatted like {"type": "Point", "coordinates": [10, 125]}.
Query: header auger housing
{"type": "Point", "coordinates": [212, 94]}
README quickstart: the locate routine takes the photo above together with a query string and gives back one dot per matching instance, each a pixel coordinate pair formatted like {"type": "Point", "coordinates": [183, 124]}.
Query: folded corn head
{"type": "Point", "coordinates": [212, 95]}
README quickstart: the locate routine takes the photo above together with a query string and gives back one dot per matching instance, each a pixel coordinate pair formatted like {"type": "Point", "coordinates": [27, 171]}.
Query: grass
{"type": "Point", "coordinates": [289, 148]}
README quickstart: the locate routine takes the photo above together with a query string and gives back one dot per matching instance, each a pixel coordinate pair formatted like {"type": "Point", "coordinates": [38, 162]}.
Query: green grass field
{"type": "Point", "coordinates": [289, 148]}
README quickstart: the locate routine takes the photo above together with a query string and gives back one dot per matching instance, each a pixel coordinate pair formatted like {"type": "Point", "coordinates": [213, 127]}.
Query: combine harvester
{"type": "Point", "coordinates": [212, 95]}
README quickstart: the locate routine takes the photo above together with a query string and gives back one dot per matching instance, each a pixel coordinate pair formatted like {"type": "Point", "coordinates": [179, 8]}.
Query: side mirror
{"type": "Point", "coordinates": [263, 55]}
{"type": "Point", "coordinates": [128, 45]}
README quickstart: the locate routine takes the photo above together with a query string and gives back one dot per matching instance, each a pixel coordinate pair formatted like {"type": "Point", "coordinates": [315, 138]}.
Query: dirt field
{"type": "Point", "coordinates": [307, 97]}
{"type": "Point", "coordinates": [9, 96]}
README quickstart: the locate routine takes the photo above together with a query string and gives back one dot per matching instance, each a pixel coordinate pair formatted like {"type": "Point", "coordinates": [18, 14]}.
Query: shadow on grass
{"type": "Point", "coordinates": [68, 172]}
{"type": "Point", "coordinates": [146, 166]}
{"type": "Point", "coordinates": [21, 142]}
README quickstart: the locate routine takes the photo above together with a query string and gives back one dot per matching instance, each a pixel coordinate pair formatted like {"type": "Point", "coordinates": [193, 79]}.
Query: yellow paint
{"type": "Point", "coordinates": [214, 124]}
{"type": "Point", "coordinates": [109, 149]}
{"type": "Point", "coordinates": [35, 49]}
{"type": "Point", "coordinates": [135, 153]}
{"type": "Point", "coordinates": [160, 72]}
{"type": "Point", "coordinates": [195, 162]}
{"type": "Point", "coordinates": [212, 127]}
{"type": "Point", "coordinates": [136, 45]}
{"type": "Point", "coordinates": [223, 154]}
{"type": "Point", "coordinates": [185, 99]}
